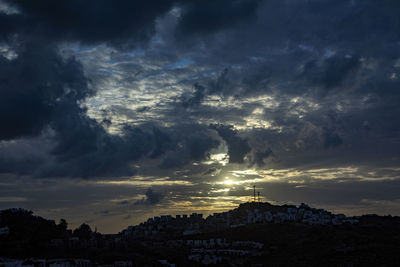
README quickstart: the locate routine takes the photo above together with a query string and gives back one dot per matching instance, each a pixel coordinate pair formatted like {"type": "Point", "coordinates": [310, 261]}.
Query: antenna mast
{"type": "Point", "coordinates": [254, 186]}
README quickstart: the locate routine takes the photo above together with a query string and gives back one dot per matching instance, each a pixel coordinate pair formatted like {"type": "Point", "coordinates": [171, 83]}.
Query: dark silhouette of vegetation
{"type": "Point", "coordinates": [62, 225]}
{"type": "Point", "coordinates": [84, 232]}
{"type": "Point", "coordinates": [373, 242]}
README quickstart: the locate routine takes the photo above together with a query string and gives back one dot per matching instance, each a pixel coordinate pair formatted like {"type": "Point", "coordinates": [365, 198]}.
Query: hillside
{"type": "Point", "coordinates": [239, 237]}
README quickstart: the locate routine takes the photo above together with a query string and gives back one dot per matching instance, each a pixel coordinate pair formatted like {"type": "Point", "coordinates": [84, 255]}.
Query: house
{"type": "Point", "coordinates": [268, 216]}
{"type": "Point", "coordinates": [4, 230]}
{"type": "Point", "coordinates": [166, 263]}
{"type": "Point", "coordinates": [195, 257]}
{"type": "Point", "coordinates": [211, 259]}
{"type": "Point", "coordinates": [237, 225]}
{"type": "Point", "coordinates": [190, 232]}
{"type": "Point", "coordinates": [123, 264]}
{"type": "Point", "coordinates": [304, 206]}
{"type": "Point", "coordinates": [282, 216]}
{"type": "Point", "coordinates": [57, 242]}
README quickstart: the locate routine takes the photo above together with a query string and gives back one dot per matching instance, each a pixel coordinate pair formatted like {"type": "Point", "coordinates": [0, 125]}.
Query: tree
{"type": "Point", "coordinates": [62, 225]}
{"type": "Point", "coordinates": [83, 232]}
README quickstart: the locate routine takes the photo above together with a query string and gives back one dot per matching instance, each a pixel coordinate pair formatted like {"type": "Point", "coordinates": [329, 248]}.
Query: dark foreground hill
{"type": "Point", "coordinates": [372, 241]}
{"type": "Point", "coordinates": [289, 244]}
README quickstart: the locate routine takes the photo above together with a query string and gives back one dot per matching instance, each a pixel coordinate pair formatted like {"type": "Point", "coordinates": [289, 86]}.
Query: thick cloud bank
{"type": "Point", "coordinates": [200, 99]}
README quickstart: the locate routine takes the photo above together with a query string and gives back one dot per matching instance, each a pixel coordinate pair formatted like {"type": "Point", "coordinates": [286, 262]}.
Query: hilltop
{"type": "Point", "coordinates": [244, 214]}
{"type": "Point", "coordinates": [253, 234]}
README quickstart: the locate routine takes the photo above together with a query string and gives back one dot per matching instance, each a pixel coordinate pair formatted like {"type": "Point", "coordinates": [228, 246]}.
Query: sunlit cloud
{"type": "Point", "coordinates": [146, 183]}
{"type": "Point", "coordinates": [13, 199]}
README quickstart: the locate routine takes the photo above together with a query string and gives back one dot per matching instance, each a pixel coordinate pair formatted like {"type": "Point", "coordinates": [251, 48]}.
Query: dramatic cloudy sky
{"type": "Point", "coordinates": [115, 111]}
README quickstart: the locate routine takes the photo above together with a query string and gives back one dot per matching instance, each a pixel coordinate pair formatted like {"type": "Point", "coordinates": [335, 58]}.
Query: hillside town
{"type": "Point", "coordinates": [250, 234]}
{"type": "Point", "coordinates": [246, 213]}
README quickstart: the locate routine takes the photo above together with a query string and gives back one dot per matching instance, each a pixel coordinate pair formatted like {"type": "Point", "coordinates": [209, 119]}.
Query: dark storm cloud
{"type": "Point", "coordinates": [42, 91]}
{"type": "Point", "coordinates": [332, 72]}
{"type": "Point", "coordinates": [314, 58]}
{"type": "Point", "coordinates": [200, 17]}
{"type": "Point", "coordinates": [302, 84]}
{"type": "Point", "coordinates": [192, 143]}
{"type": "Point", "coordinates": [9, 24]}
{"type": "Point", "coordinates": [34, 87]}
{"type": "Point", "coordinates": [117, 22]}
{"type": "Point", "coordinates": [259, 157]}
{"type": "Point", "coordinates": [151, 198]}
{"type": "Point", "coordinates": [19, 166]}
{"type": "Point", "coordinates": [196, 98]}
{"type": "Point", "coordinates": [361, 24]}
{"type": "Point", "coordinates": [237, 146]}
{"type": "Point", "coordinates": [332, 139]}
{"type": "Point", "coordinates": [88, 21]}
{"type": "Point", "coordinates": [84, 149]}
{"type": "Point", "coordinates": [221, 85]}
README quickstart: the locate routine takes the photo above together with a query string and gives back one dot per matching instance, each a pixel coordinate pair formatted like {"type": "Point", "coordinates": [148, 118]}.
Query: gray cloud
{"type": "Point", "coordinates": [151, 198]}
{"type": "Point", "coordinates": [35, 86]}
{"type": "Point", "coordinates": [202, 18]}
{"type": "Point", "coordinates": [109, 22]}
{"type": "Point", "coordinates": [172, 90]}
{"type": "Point", "coordinates": [237, 146]}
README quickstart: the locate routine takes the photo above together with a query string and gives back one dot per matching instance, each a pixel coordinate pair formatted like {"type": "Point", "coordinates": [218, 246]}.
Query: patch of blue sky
{"type": "Point", "coordinates": [78, 48]}
{"type": "Point", "coordinates": [329, 53]}
{"type": "Point", "coordinates": [238, 67]}
{"type": "Point", "coordinates": [179, 64]}
{"type": "Point", "coordinates": [126, 57]}
{"type": "Point", "coordinates": [111, 62]}
{"type": "Point", "coordinates": [94, 103]}
{"type": "Point", "coordinates": [256, 58]}
{"type": "Point", "coordinates": [306, 47]}
{"type": "Point", "coordinates": [107, 69]}
{"type": "Point", "coordinates": [137, 52]}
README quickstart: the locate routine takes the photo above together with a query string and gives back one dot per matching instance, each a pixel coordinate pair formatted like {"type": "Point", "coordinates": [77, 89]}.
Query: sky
{"type": "Point", "coordinates": [115, 111]}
